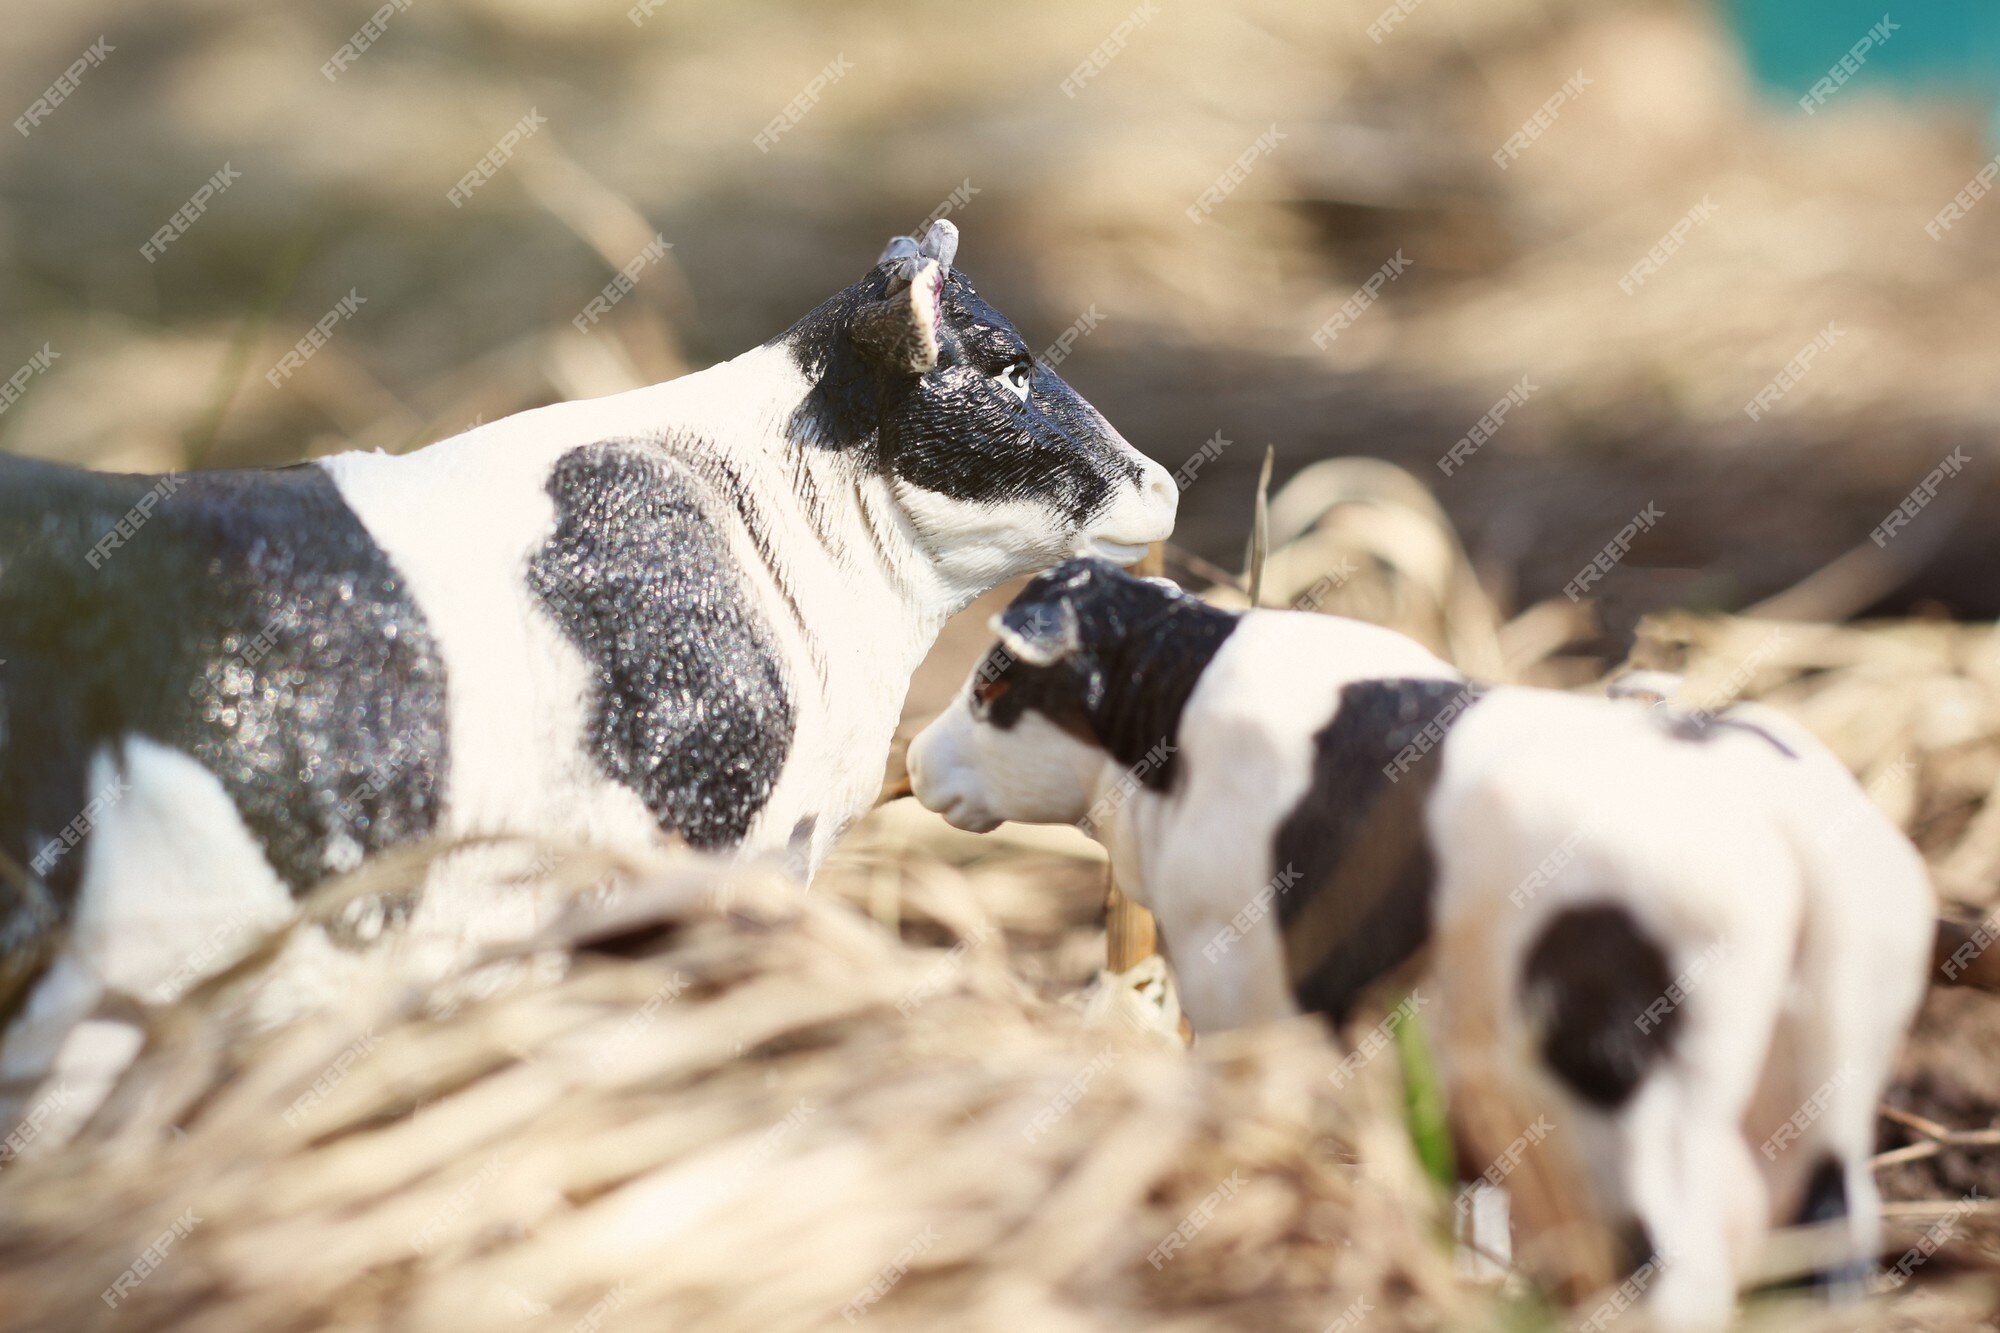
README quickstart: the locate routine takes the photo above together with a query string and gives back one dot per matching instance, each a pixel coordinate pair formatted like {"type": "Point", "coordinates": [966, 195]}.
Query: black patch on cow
{"type": "Point", "coordinates": [246, 619]}
{"type": "Point", "coordinates": [802, 833]}
{"type": "Point", "coordinates": [1703, 728]}
{"type": "Point", "coordinates": [1353, 862]}
{"type": "Point", "coordinates": [691, 709]}
{"type": "Point", "coordinates": [955, 430]}
{"type": "Point", "coordinates": [798, 847]}
{"type": "Point", "coordinates": [1588, 981]}
{"type": "Point", "coordinates": [1140, 647]}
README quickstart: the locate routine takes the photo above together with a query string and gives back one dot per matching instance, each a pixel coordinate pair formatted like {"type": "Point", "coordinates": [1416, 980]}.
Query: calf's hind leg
{"type": "Point", "coordinates": [1657, 1043]}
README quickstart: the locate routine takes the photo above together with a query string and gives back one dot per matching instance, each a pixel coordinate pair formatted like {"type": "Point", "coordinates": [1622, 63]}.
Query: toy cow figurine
{"type": "Point", "coordinates": [691, 609]}
{"type": "Point", "coordinates": [1691, 940]}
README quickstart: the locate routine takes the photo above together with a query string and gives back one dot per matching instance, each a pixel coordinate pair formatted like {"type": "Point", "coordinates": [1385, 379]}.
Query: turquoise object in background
{"type": "Point", "coordinates": [1939, 48]}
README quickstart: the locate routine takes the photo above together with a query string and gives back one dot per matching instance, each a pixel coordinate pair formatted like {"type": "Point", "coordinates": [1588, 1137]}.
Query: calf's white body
{"type": "Point", "coordinates": [1723, 879]}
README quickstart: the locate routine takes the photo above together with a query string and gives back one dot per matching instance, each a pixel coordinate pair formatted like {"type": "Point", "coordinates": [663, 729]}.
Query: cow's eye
{"type": "Point", "coordinates": [1017, 378]}
{"type": "Point", "coordinates": [984, 692]}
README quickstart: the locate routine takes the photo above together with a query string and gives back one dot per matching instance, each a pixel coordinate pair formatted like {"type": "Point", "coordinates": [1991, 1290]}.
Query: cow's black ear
{"type": "Point", "coordinates": [900, 331]}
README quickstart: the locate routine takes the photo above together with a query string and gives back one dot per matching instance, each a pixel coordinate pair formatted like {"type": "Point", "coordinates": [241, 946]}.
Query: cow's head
{"type": "Point", "coordinates": [997, 466]}
{"type": "Point", "coordinates": [1077, 704]}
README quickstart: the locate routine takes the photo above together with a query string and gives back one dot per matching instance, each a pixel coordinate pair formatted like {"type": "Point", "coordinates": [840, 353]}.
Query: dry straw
{"type": "Point", "coordinates": [758, 1150]}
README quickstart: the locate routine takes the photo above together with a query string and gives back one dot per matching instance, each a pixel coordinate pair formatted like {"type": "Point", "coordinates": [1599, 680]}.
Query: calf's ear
{"type": "Point", "coordinates": [1040, 635]}
{"type": "Point", "coordinates": [900, 331]}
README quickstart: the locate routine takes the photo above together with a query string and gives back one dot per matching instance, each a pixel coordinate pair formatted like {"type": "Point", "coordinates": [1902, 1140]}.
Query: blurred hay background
{"type": "Point", "coordinates": [812, 1099]}
{"type": "Point", "coordinates": [761, 1147]}
{"type": "Point", "coordinates": [1070, 205]}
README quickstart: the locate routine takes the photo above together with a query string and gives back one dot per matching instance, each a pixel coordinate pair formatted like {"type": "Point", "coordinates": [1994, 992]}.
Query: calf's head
{"type": "Point", "coordinates": [996, 466]}
{"type": "Point", "coordinates": [1076, 706]}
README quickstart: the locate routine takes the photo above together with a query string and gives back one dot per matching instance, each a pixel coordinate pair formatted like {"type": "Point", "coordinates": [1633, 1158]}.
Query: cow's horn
{"type": "Point", "coordinates": [940, 243]}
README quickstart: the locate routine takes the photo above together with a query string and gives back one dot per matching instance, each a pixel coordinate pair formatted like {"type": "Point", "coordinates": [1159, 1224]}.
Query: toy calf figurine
{"type": "Point", "coordinates": [1691, 941]}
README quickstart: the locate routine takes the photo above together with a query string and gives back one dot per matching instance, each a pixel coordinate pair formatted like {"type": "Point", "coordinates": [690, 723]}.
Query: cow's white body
{"type": "Point", "coordinates": [170, 864]}
{"type": "Point", "coordinates": [463, 517]}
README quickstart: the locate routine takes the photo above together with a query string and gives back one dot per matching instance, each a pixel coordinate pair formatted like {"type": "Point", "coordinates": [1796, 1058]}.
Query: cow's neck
{"type": "Point", "coordinates": [835, 522]}
{"type": "Point", "coordinates": [839, 571]}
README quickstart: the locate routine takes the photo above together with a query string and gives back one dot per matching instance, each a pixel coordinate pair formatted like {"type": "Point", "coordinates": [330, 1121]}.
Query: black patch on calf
{"type": "Point", "coordinates": [955, 430]}
{"type": "Point", "coordinates": [1141, 647]}
{"type": "Point", "coordinates": [1353, 858]}
{"type": "Point", "coordinates": [1635, 1246]}
{"type": "Point", "coordinates": [250, 622]}
{"type": "Point", "coordinates": [1825, 1201]}
{"type": "Point", "coordinates": [1825, 1198]}
{"type": "Point", "coordinates": [1587, 982]}
{"type": "Point", "coordinates": [691, 709]}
